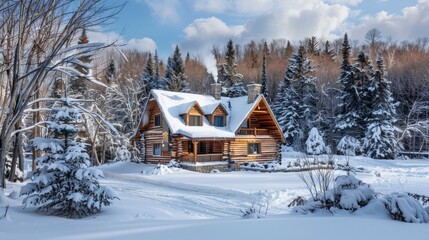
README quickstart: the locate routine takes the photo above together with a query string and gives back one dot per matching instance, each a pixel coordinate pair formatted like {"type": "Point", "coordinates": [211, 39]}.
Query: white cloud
{"type": "Point", "coordinates": [218, 6]}
{"type": "Point", "coordinates": [289, 19]}
{"type": "Point", "coordinates": [140, 44]}
{"type": "Point", "coordinates": [412, 23]}
{"type": "Point", "coordinates": [345, 2]}
{"type": "Point", "coordinates": [165, 10]}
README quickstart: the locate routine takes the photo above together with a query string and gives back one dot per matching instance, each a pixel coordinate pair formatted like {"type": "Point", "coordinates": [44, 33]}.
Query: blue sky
{"type": "Point", "coordinates": [196, 25]}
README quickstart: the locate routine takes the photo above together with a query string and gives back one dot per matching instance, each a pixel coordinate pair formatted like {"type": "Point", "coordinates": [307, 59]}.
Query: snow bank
{"type": "Point", "coordinates": [161, 169]}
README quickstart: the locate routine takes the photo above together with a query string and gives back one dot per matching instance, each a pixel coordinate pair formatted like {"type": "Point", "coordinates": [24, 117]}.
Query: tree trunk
{"type": "Point", "coordinates": [2, 162]}
{"type": "Point", "coordinates": [17, 149]}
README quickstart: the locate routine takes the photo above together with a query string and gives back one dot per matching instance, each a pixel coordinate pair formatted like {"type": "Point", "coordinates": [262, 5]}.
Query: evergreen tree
{"type": "Point", "coordinates": [363, 71]}
{"type": "Point", "coordinates": [348, 106]}
{"type": "Point", "coordinates": [147, 81]}
{"type": "Point", "coordinates": [175, 78]}
{"type": "Point", "coordinates": [157, 71]}
{"type": "Point", "coordinates": [64, 184]}
{"type": "Point", "coordinates": [288, 50]}
{"type": "Point", "coordinates": [111, 72]}
{"type": "Point", "coordinates": [79, 85]}
{"type": "Point", "coordinates": [264, 89]}
{"type": "Point", "coordinates": [295, 104]}
{"type": "Point", "coordinates": [228, 75]}
{"type": "Point", "coordinates": [313, 46]}
{"type": "Point", "coordinates": [380, 141]}
{"type": "Point", "coordinates": [329, 51]}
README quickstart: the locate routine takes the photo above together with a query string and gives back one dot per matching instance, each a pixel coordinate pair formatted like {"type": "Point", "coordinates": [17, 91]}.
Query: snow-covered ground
{"type": "Point", "coordinates": [180, 204]}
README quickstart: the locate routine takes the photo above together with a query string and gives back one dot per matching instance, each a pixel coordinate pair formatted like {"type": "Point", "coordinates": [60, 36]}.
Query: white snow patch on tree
{"type": "Point", "coordinates": [349, 146]}
{"type": "Point", "coordinates": [405, 208]}
{"type": "Point", "coordinates": [315, 143]}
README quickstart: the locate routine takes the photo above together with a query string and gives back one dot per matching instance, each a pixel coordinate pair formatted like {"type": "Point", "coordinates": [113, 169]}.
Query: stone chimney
{"type": "Point", "coordinates": [216, 90]}
{"type": "Point", "coordinates": [253, 91]}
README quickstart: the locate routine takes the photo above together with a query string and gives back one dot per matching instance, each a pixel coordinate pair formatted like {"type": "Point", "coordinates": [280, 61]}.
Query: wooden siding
{"type": "Point", "coordinates": [239, 149]}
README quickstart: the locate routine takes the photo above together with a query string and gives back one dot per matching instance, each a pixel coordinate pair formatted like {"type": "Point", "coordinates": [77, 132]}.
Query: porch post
{"type": "Point", "coordinates": [195, 150]}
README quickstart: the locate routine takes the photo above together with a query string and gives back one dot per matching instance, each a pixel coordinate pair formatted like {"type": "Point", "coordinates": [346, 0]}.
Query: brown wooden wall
{"type": "Point", "coordinates": [239, 149]}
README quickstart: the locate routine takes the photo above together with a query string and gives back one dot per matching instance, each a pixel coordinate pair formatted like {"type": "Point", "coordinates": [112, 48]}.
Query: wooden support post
{"type": "Point", "coordinates": [195, 150]}
{"type": "Point", "coordinates": [254, 131]}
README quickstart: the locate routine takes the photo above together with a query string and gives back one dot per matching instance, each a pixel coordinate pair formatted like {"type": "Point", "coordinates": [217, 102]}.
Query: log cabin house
{"type": "Point", "coordinates": [195, 128]}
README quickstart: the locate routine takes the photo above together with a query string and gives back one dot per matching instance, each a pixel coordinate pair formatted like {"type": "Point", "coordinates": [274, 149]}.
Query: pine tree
{"type": "Point", "coordinates": [175, 78]}
{"type": "Point", "coordinates": [64, 184]}
{"type": "Point", "coordinates": [313, 46]}
{"type": "Point", "coordinates": [111, 72]}
{"type": "Point", "coordinates": [348, 106]}
{"type": "Point", "coordinates": [227, 73]}
{"type": "Point", "coordinates": [79, 85]}
{"type": "Point", "coordinates": [147, 81]}
{"type": "Point", "coordinates": [295, 103]}
{"type": "Point", "coordinates": [157, 71]}
{"type": "Point", "coordinates": [264, 89]}
{"type": "Point", "coordinates": [328, 51]}
{"type": "Point", "coordinates": [363, 70]}
{"type": "Point", "coordinates": [315, 144]}
{"type": "Point", "coordinates": [380, 141]}
{"type": "Point", "coordinates": [288, 50]}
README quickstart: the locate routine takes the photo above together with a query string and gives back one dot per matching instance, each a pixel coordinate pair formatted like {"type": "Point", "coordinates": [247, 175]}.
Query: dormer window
{"type": "Point", "coordinates": [195, 120]}
{"type": "Point", "coordinates": [157, 120]}
{"type": "Point", "coordinates": [219, 121]}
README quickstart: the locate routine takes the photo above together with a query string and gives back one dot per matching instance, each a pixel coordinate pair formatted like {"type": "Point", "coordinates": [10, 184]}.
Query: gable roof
{"type": "Point", "coordinates": [173, 104]}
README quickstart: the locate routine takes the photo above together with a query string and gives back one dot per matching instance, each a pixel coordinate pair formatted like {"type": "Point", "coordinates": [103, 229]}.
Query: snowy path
{"type": "Point", "coordinates": [193, 200]}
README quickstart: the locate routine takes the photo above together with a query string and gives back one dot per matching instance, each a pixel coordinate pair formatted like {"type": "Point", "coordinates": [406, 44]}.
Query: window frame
{"type": "Point", "coordinates": [195, 116]}
{"type": "Point", "coordinates": [155, 147]}
{"type": "Point", "coordinates": [155, 120]}
{"type": "Point", "coordinates": [250, 146]}
{"type": "Point", "coordinates": [219, 116]}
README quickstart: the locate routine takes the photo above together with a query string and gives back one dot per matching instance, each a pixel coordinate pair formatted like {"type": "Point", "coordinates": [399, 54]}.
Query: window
{"type": "Point", "coordinates": [157, 149]}
{"type": "Point", "coordinates": [194, 120]}
{"type": "Point", "coordinates": [254, 148]}
{"type": "Point", "coordinates": [201, 147]}
{"type": "Point", "coordinates": [157, 120]}
{"type": "Point", "coordinates": [245, 124]}
{"type": "Point", "coordinates": [219, 121]}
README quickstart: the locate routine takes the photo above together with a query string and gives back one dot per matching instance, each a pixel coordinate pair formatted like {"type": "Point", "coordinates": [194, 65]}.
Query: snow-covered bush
{"type": "Point", "coordinates": [161, 169]}
{"type": "Point", "coordinates": [122, 154]}
{"type": "Point", "coordinates": [315, 144]}
{"type": "Point", "coordinates": [251, 213]}
{"type": "Point", "coordinates": [348, 193]}
{"type": "Point", "coordinates": [405, 208]}
{"type": "Point", "coordinates": [173, 164]}
{"type": "Point", "coordinates": [349, 146]}
{"type": "Point", "coordinates": [64, 183]}
{"type": "Point", "coordinates": [351, 193]}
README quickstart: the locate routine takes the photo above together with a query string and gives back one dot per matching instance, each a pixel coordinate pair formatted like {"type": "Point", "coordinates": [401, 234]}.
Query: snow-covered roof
{"type": "Point", "coordinates": [174, 104]}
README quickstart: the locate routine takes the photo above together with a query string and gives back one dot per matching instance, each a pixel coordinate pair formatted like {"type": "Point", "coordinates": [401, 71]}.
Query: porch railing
{"type": "Point", "coordinates": [254, 131]}
{"type": "Point", "coordinates": [212, 157]}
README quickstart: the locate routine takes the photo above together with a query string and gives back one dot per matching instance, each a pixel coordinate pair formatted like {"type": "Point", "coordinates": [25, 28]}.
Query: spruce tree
{"type": "Point", "coordinates": [380, 141]}
{"type": "Point", "coordinates": [264, 89]}
{"type": "Point", "coordinates": [231, 80]}
{"type": "Point", "coordinates": [175, 78]}
{"type": "Point", "coordinates": [363, 70]}
{"type": "Point", "coordinates": [111, 72]}
{"type": "Point", "coordinates": [64, 183]}
{"type": "Point", "coordinates": [348, 107]}
{"type": "Point", "coordinates": [79, 85]}
{"type": "Point", "coordinates": [296, 98]}
{"type": "Point", "coordinates": [147, 81]}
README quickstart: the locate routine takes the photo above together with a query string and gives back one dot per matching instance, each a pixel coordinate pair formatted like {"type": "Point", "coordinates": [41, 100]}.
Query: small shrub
{"type": "Point", "coordinates": [173, 164]}
{"type": "Point", "coordinates": [298, 201]}
{"type": "Point", "coordinates": [404, 208]}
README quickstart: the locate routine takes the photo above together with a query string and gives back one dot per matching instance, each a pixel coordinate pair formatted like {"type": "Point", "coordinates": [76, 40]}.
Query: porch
{"type": "Point", "coordinates": [254, 131]}
{"type": "Point", "coordinates": [202, 151]}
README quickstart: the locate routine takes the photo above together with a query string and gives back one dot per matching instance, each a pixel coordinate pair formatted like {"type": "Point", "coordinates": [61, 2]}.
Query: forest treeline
{"type": "Point", "coordinates": [406, 67]}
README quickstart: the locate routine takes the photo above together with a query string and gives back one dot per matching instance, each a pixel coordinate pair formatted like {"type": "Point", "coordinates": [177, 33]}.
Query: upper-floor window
{"type": "Point", "coordinates": [245, 124]}
{"type": "Point", "coordinates": [194, 120]}
{"type": "Point", "coordinates": [157, 120]}
{"type": "Point", "coordinates": [219, 121]}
